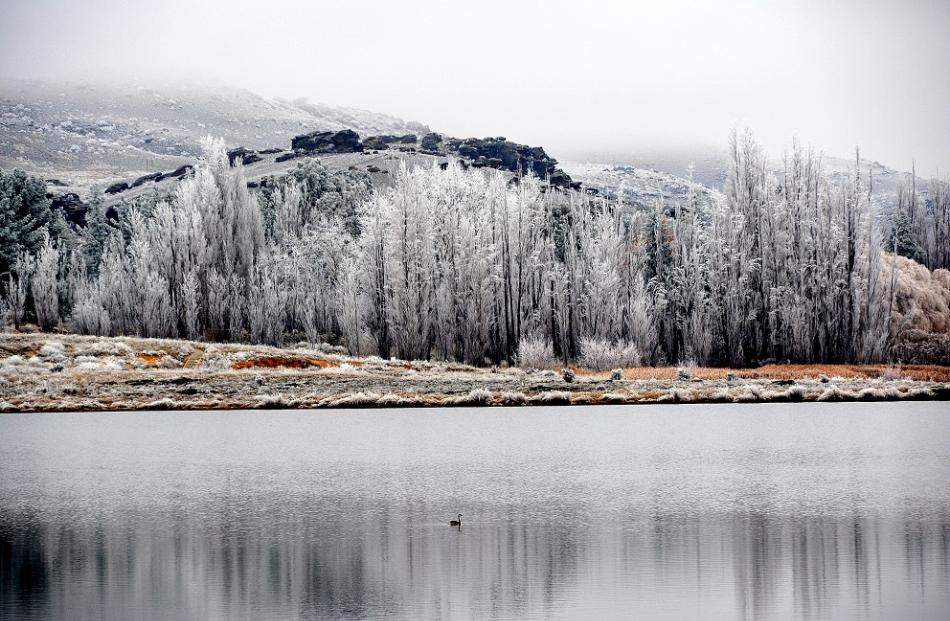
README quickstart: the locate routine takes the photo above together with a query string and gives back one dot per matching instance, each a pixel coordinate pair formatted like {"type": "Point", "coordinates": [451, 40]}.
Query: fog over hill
{"type": "Point", "coordinates": [100, 131]}
{"type": "Point", "coordinates": [95, 133]}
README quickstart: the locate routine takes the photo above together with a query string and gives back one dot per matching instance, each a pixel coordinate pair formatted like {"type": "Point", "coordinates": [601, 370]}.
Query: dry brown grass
{"type": "Point", "coordinates": [659, 373]}
{"type": "Point", "coordinates": [284, 362]}
{"type": "Point", "coordinates": [783, 372]}
{"type": "Point", "coordinates": [853, 371]}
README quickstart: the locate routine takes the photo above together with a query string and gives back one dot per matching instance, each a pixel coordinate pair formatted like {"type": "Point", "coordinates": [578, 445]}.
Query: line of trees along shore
{"type": "Point", "coordinates": [471, 265]}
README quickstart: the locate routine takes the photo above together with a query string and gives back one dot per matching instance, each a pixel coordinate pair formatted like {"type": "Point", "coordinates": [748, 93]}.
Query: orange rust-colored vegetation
{"type": "Point", "coordinates": [283, 362]}
{"type": "Point", "coordinates": [852, 371]}
{"type": "Point", "coordinates": [149, 359]}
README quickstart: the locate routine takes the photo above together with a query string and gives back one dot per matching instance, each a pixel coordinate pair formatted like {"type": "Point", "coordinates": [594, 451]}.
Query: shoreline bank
{"type": "Point", "coordinates": [62, 372]}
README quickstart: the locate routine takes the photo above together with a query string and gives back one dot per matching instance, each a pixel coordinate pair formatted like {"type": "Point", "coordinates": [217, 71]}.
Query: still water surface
{"type": "Point", "coordinates": [833, 511]}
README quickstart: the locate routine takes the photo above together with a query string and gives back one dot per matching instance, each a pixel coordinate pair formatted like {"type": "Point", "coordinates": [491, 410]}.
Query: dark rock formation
{"type": "Point", "coordinates": [270, 151]}
{"type": "Point", "coordinates": [247, 156]}
{"type": "Point", "coordinates": [285, 156]}
{"type": "Point", "coordinates": [377, 143]}
{"type": "Point", "coordinates": [382, 142]}
{"type": "Point", "coordinates": [431, 142]}
{"type": "Point", "coordinates": [146, 179]}
{"type": "Point", "coordinates": [115, 188]}
{"type": "Point", "coordinates": [316, 142]}
{"type": "Point", "coordinates": [560, 179]}
{"type": "Point", "coordinates": [499, 152]}
{"type": "Point", "coordinates": [181, 171]}
{"type": "Point", "coordinates": [346, 141]}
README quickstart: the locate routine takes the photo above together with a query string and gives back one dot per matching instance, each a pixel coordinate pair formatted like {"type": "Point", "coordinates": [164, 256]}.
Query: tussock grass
{"type": "Point", "coordinates": [68, 373]}
{"type": "Point", "coordinates": [550, 397]}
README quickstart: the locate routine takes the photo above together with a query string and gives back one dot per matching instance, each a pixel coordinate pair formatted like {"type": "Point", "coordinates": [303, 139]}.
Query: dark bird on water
{"type": "Point", "coordinates": [457, 522]}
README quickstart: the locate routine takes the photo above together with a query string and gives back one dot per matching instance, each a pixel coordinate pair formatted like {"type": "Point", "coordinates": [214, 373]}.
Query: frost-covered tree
{"type": "Point", "coordinates": [44, 285]}
{"type": "Point", "coordinates": [476, 266]}
{"type": "Point", "coordinates": [189, 305]}
{"type": "Point", "coordinates": [18, 288]}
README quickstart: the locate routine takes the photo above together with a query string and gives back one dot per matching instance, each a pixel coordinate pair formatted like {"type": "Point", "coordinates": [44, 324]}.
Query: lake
{"type": "Point", "coordinates": [778, 511]}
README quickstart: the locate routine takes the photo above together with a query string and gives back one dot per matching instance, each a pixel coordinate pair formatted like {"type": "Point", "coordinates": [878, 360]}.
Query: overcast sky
{"type": "Point", "coordinates": [576, 76]}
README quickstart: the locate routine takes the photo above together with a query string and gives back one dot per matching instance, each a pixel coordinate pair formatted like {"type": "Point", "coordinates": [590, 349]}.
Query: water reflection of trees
{"type": "Point", "coordinates": [244, 564]}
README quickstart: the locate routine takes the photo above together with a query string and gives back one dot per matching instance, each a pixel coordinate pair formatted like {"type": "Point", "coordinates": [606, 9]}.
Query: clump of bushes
{"type": "Point", "coordinates": [891, 372]}
{"type": "Point", "coordinates": [52, 350]}
{"type": "Point", "coordinates": [602, 355]}
{"type": "Point", "coordinates": [686, 371]}
{"type": "Point", "coordinates": [535, 353]}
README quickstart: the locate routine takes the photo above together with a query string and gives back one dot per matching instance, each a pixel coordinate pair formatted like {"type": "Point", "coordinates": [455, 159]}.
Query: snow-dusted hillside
{"type": "Point", "coordinates": [95, 133]}
{"type": "Point", "coordinates": [86, 132]}
{"type": "Point", "coordinates": [641, 184]}
{"type": "Point", "coordinates": [638, 186]}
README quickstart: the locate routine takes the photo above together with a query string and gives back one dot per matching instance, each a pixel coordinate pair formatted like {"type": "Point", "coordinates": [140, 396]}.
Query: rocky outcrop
{"type": "Point", "coordinates": [382, 142]}
{"type": "Point", "coordinates": [181, 171]}
{"type": "Point", "coordinates": [431, 142]}
{"type": "Point", "coordinates": [122, 186]}
{"type": "Point", "coordinates": [561, 179]}
{"type": "Point", "coordinates": [376, 143]}
{"type": "Point", "coordinates": [499, 152]}
{"type": "Point", "coordinates": [115, 188]}
{"type": "Point", "coordinates": [247, 156]}
{"type": "Point", "coordinates": [145, 179]}
{"type": "Point", "coordinates": [346, 141]}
